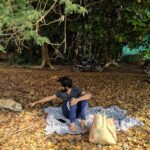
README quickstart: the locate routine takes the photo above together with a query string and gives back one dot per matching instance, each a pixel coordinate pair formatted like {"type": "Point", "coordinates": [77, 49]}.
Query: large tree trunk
{"type": "Point", "coordinates": [76, 47]}
{"type": "Point", "coordinates": [45, 57]}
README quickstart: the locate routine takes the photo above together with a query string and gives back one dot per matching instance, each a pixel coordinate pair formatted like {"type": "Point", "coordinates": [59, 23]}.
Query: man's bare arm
{"type": "Point", "coordinates": [46, 99]}
{"type": "Point", "coordinates": [81, 98]}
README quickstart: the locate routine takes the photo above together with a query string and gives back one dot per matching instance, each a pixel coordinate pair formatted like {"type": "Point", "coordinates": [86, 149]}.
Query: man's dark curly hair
{"type": "Point", "coordinates": [65, 82]}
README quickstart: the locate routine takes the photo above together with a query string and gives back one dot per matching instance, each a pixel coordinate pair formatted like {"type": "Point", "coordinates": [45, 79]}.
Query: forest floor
{"type": "Point", "coordinates": [127, 87]}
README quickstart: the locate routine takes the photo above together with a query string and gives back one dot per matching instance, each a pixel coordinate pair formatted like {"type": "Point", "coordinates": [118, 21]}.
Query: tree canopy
{"type": "Point", "coordinates": [89, 27]}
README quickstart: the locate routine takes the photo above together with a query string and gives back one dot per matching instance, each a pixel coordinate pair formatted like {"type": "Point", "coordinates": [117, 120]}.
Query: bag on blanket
{"type": "Point", "coordinates": [103, 130]}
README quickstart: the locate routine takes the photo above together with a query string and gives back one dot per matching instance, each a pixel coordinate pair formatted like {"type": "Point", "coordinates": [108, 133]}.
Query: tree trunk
{"type": "Point", "coordinates": [76, 47]}
{"type": "Point", "coordinates": [45, 57]}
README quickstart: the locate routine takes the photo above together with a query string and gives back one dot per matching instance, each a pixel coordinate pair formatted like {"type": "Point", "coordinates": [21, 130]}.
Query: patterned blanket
{"type": "Point", "coordinates": [57, 123]}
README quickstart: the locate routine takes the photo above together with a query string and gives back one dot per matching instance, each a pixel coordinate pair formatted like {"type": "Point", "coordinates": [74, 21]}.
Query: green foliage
{"type": "Point", "coordinates": [40, 40]}
{"type": "Point", "coordinates": [138, 21]}
{"type": "Point", "coordinates": [145, 54]}
{"type": "Point", "coordinates": [108, 25]}
{"type": "Point", "coordinates": [20, 20]}
{"type": "Point", "coordinates": [17, 22]}
{"type": "Point", "coordinates": [30, 34]}
{"type": "Point", "coordinates": [71, 7]}
{"type": "Point", "coordinates": [111, 24]}
{"type": "Point", "coordinates": [2, 48]}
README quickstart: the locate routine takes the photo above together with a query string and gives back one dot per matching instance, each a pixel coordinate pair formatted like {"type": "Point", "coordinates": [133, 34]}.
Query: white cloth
{"type": "Point", "coordinates": [56, 122]}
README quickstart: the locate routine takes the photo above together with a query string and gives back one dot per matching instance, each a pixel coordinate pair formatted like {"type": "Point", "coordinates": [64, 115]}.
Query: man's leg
{"type": "Point", "coordinates": [72, 117]}
{"type": "Point", "coordinates": [65, 110]}
{"type": "Point", "coordinates": [82, 111]}
{"type": "Point", "coordinates": [70, 114]}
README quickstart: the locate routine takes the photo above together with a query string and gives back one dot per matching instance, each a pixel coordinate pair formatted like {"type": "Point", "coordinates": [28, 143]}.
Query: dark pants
{"type": "Point", "coordinates": [78, 110]}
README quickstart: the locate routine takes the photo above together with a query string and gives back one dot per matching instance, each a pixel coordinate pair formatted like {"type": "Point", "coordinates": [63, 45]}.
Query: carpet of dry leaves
{"type": "Point", "coordinates": [127, 87]}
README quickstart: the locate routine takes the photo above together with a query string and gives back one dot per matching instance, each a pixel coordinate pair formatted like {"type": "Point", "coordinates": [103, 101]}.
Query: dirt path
{"type": "Point", "coordinates": [126, 87]}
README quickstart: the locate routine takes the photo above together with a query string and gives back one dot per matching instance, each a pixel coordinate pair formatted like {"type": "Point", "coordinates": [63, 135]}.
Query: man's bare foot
{"type": "Point", "coordinates": [83, 125]}
{"type": "Point", "coordinates": [73, 127]}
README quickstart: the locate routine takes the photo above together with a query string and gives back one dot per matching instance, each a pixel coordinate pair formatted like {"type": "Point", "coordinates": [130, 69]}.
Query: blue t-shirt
{"type": "Point", "coordinates": [75, 93]}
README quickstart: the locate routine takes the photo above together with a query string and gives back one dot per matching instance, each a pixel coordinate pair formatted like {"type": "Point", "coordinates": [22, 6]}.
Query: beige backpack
{"type": "Point", "coordinates": [103, 130]}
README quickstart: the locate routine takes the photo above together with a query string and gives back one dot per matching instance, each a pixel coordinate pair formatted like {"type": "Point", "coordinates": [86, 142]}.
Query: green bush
{"type": "Point", "coordinates": [145, 54]}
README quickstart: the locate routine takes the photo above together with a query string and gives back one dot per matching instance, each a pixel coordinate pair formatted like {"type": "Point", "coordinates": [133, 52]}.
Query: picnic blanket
{"type": "Point", "coordinates": [56, 122]}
